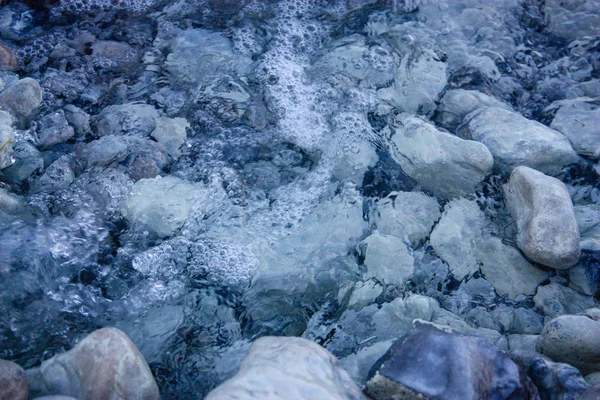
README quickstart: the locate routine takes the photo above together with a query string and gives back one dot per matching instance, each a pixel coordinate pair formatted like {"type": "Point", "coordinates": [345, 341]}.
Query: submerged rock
{"type": "Point", "coordinates": [162, 204]}
{"type": "Point", "coordinates": [441, 162]}
{"type": "Point", "coordinates": [458, 103]}
{"type": "Point", "coordinates": [547, 228]}
{"type": "Point", "coordinates": [407, 215]}
{"type": "Point", "coordinates": [54, 129]}
{"type": "Point", "coordinates": [288, 368]}
{"type": "Point", "coordinates": [463, 240]}
{"type": "Point", "coordinates": [104, 151]}
{"type": "Point", "coordinates": [386, 258]}
{"type": "Point", "coordinates": [14, 384]}
{"type": "Point", "coordinates": [199, 55]}
{"type": "Point", "coordinates": [131, 119]}
{"type": "Point", "coordinates": [419, 80]}
{"type": "Point", "coordinates": [579, 120]}
{"type": "Point", "coordinates": [436, 362]}
{"type": "Point", "coordinates": [514, 140]}
{"type": "Point", "coordinates": [104, 365]}
{"type": "Point", "coordinates": [573, 339]}
{"type": "Point", "coordinates": [572, 20]}
{"type": "Point", "coordinates": [171, 133]}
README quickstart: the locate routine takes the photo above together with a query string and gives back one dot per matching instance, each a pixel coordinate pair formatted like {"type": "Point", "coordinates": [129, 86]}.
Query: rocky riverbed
{"type": "Point", "coordinates": [258, 199]}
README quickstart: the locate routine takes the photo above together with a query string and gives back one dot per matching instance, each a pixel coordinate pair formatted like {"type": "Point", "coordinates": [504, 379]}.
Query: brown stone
{"type": "Point", "coordinates": [8, 59]}
{"type": "Point", "coordinates": [104, 365]}
{"type": "Point", "coordinates": [13, 382]}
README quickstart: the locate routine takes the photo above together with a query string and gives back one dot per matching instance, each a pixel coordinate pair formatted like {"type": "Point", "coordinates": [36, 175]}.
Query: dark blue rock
{"type": "Point", "coordinates": [432, 362]}
{"type": "Point", "coordinates": [556, 381]}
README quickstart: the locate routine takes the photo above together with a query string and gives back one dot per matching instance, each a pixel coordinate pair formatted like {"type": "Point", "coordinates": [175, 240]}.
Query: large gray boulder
{"type": "Point", "coordinates": [104, 365]}
{"type": "Point", "coordinates": [579, 121]}
{"type": "Point", "coordinates": [514, 140]}
{"type": "Point", "coordinates": [435, 362]}
{"type": "Point", "coordinates": [458, 103]}
{"type": "Point", "coordinates": [547, 230]}
{"type": "Point", "coordinates": [443, 163]}
{"type": "Point", "coordinates": [288, 368]}
{"type": "Point", "coordinates": [573, 339]}
{"type": "Point", "coordinates": [13, 382]}
{"type": "Point", "coordinates": [23, 98]}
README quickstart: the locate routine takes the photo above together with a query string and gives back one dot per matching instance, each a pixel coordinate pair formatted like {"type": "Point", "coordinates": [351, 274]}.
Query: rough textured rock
{"type": "Point", "coordinates": [462, 240]}
{"type": "Point", "coordinates": [572, 19]}
{"type": "Point", "coordinates": [514, 140]}
{"type": "Point", "coordinates": [555, 299]}
{"type": "Point", "coordinates": [456, 104]}
{"type": "Point", "coordinates": [171, 133]}
{"type": "Point", "coordinates": [104, 151]}
{"type": "Point", "coordinates": [126, 119]}
{"type": "Point", "coordinates": [13, 382]}
{"type": "Point", "coordinates": [407, 215]}
{"type": "Point", "coordinates": [556, 381]}
{"type": "Point", "coordinates": [434, 362]}
{"type": "Point", "coordinates": [28, 160]}
{"type": "Point", "coordinates": [104, 365]}
{"type": "Point", "coordinates": [441, 162]}
{"type": "Point", "coordinates": [278, 368]}
{"type": "Point", "coordinates": [386, 258]}
{"type": "Point", "coordinates": [162, 204]}
{"type": "Point", "coordinates": [419, 80]}
{"type": "Point", "coordinates": [547, 228]}
{"type": "Point", "coordinates": [579, 120]}
{"type": "Point", "coordinates": [7, 139]}
{"type": "Point", "coordinates": [54, 129]}
{"type": "Point", "coordinates": [573, 339]}
{"type": "Point", "coordinates": [23, 98]}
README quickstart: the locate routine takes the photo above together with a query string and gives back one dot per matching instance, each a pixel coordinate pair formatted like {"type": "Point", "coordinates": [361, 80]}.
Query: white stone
{"type": "Point", "coordinates": [288, 368]}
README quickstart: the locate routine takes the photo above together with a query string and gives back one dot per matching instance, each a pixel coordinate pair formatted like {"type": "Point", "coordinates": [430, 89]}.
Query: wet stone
{"type": "Point", "coordinates": [23, 98]}
{"type": "Point", "coordinates": [106, 364]}
{"type": "Point", "coordinates": [436, 362]}
{"type": "Point", "coordinates": [14, 384]}
{"type": "Point", "coordinates": [548, 232]}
